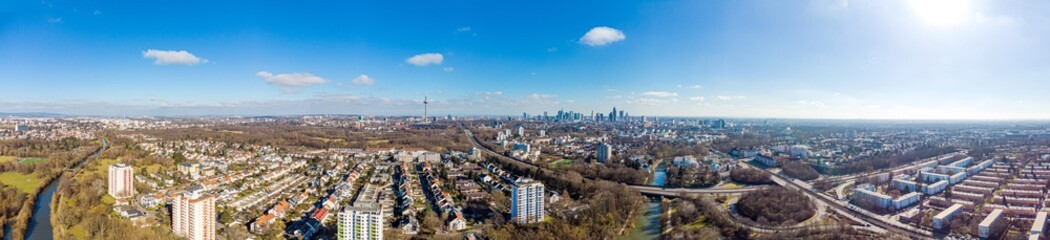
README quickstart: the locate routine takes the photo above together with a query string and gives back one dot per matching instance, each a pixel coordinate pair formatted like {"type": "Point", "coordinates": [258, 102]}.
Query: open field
{"type": "Point", "coordinates": [562, 163]}
{"type": "Point", "coordinates": [102, 165]}
{"type": "Point", "coordinates": [32, 160]}
{"type": "Point", "coordinates": [26, 183]}
{"type": "Point", "coordinates": [153, 168]}
{"type": "Point", "coordinates": [5, 158]}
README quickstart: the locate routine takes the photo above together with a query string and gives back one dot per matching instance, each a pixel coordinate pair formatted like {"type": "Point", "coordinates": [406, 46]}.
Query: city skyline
{"type": "Point", "coordinates": [975, 60]}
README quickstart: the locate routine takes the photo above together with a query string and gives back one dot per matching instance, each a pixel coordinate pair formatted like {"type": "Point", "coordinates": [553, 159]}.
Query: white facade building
{"type": "Point", "coordinates": [121, 181]}
{"type": "Point", "coordinates": [193, 216]}
{"type": "Point", "coordinates": [527, 202]}
{"type": "Point", "coordinates": [944, 218]}
{"type": "Point", "coordinates": [991, 224]}
{"type": "Point", "coordinates": [362, 220]}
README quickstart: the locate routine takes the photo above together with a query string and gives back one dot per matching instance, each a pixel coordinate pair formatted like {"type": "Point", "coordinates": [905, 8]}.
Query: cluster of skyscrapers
{"type": "Point", "coordinates": [612, 116]}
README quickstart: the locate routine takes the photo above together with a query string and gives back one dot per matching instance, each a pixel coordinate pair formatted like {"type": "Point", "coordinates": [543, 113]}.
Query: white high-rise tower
{"type": "Point", "coordinates": [121, 177]}
{"type": "Point", "coordinates": [527, 202]}
{"type": "Point", "coordinates": [193, 215]}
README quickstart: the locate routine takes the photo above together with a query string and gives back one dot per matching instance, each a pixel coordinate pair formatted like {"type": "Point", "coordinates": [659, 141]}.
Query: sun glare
{"type": "Point", "coordinates": [941, 12]}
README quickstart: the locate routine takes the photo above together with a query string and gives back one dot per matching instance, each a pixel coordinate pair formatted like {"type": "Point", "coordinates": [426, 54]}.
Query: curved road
{"type": "Point", "coordinates": [646, 189]}
{"type": "Point", "coordinates": [858, 216]}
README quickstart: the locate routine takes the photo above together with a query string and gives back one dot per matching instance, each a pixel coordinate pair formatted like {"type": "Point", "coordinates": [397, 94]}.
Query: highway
{"type": "Point", "coordinates": [873, 222]}
{"type": "Point", "coordinates": [878, 223]}
{"type": "Point", "coordinates": [646, 189]}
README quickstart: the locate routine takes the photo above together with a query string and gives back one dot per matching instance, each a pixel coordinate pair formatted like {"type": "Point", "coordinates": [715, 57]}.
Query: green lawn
{"type": "Point", "coordinates": [26, 183]}
{"type": "Point", "coordinates": [562, 163]}
{"type": "Point", "coordinates": [6, 158]}
{"type": "Point", "coordinates": [102, 166]}
{"type": "Point", "coordinates": [154, 168]}
{"type": "Point", "coordinates": [32, 160]}
{"type": "Point", "coordinates": [78, 232]}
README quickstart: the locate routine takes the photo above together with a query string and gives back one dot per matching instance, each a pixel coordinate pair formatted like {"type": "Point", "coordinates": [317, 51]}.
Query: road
{"type": "Point", "coordinates": [873, 222]}
{"type": "Point", "coordinates": [913, 164]}
{"type": "Point", "coordinates": [646, 189]}
{"type": "Point", "coordinates": [878, 223]}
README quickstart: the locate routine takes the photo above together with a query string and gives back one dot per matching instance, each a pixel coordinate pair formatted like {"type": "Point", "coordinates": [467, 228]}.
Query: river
{"type": "Point", "coordinates": [660, 174]}
{"type": "Point", "coordinates": [40, 222]}
{"type": "Point", "coordinates": [648, 226]}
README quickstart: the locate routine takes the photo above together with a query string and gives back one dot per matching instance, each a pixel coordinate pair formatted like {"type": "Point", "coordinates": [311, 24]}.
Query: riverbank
{"type": "Point", "coordinates": [647, 226]}
{"type": "Point", "coordinates": [34, 219]}
{"type": "Point", "coordinates": [40, 222]}
{"type": "Point", "coordinates": [23, 221]}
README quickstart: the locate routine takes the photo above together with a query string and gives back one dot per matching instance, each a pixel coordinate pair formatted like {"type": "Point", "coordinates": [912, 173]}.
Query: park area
{"type": "Point", "coordinates": [23, 182]}
{"type": "Point", "coordinates": [21, 160]}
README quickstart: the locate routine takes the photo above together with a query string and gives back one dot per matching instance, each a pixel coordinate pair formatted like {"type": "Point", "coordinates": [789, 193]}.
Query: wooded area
{"type": "Point", "coordinates": [610, 206]}
{"type": "Point", "coordinates": [690, 212]}
{"type": "Point", "coordinates": [776, 206]}
{"type": "Point", "coordinates": [799, 169]}
{"type": "Point", "coordinates": [750, 176]}
{"type": "Point", "coordinates": [16, 206]}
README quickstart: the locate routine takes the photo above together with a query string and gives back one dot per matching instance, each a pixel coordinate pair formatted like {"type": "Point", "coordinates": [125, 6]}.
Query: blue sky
{"type": "Point", "coordinates": [909, 59]}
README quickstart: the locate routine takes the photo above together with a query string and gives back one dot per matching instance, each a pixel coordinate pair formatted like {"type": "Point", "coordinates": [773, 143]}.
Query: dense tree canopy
{"type": "Point", "coordinates": [799, 169]}
{"type": "Point", "coordinates": [777, 206]}
{"type": "Point", "coordinates": [750, 176]}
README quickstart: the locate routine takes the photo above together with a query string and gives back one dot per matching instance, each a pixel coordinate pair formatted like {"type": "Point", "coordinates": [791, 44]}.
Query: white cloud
{"type": "Point", "coordinates": [659, 94]}
{"type": "Point", "coordinates": [726, 98]}
{"type": "Point", "coordinates": [54, 20]}
{"type": "Point", "coordinates": [291, 81]}
{"type": "Point", "coordinates": [695, 86]}
{"type": "Point", "coordinates": [363, 80]}
{"type": "Point", "coordinates": [698, 98]}
{"type": "Point", "coordinates": [655, 101]}
{"type": "Point", "coordinates": [463, 29]}
{"type": "Point", "coordinates": [425, 59]}
{"type": "Point", "coordinates": [601, 36]}
{"type": "Point", "coordinates": [552, 49]}
{"type": "Point", "coordinates": [166, 57]}
{"type": "Point", "coordinates": [449, 69]}
{"type": "Point", "coordinates": [97, 12]}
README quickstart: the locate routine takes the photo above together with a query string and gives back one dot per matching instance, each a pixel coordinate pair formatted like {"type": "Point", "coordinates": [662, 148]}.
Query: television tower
{"type": "Point", "coordinates": [425, 102]}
